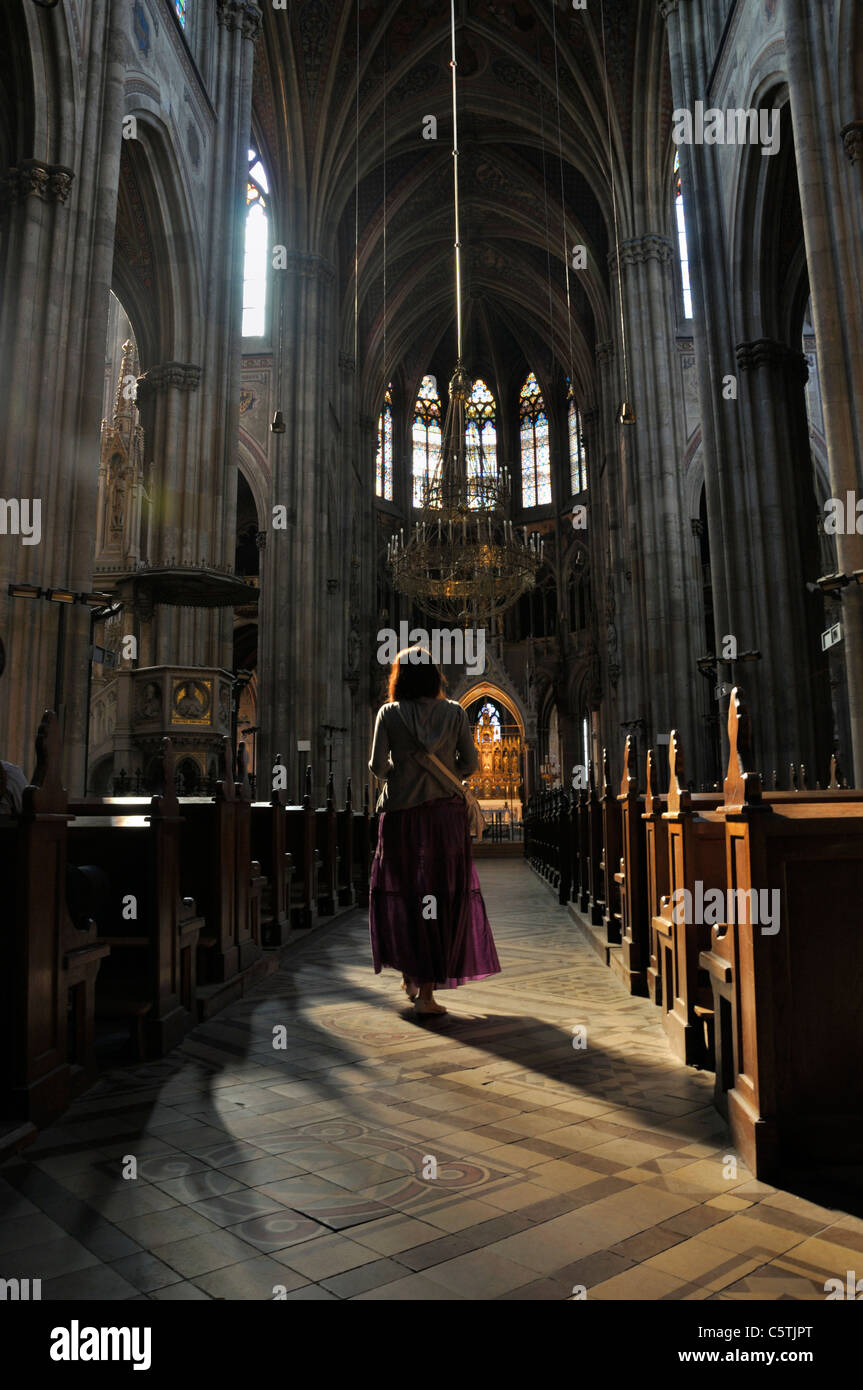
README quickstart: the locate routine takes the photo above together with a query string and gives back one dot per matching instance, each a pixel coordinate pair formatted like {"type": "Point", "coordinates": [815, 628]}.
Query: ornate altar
{"type": "Point", "coordinates": [498, 776]}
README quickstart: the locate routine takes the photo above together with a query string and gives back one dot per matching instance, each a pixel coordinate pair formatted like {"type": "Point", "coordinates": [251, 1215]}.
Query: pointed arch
{"type": "Point", "coordinates": [256, 264]}
{"type": "Point", "coordinates": [535, 446]}
{"type": "Point", "coordinates": [682, 245]}
{"type": "Point", "coordinates": [384, 455]}
{"type": "Point", "coordinates": [426, 436]}
{"type": "Point", "coordinates": [577, 450]}
{"type": "Point", "coordinates": [481, 436]}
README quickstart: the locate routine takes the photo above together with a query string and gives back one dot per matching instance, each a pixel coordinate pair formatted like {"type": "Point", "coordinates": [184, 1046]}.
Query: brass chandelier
{"type": "Point", "coordinates": [464, 562]}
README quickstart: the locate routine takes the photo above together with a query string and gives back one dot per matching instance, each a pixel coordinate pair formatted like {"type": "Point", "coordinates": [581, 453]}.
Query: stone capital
{"type": "Point", "coordinates": [604, 354]}
{"type": "Point", "coordinates": [185, 376]}
{"type": "Point", "coordinates": [667, 7]}
{"type": "Point", "coordinates": [852, 139]}
{"type": "Point", "coordinates": [347, 362]}
{"type": "Point", "coordinates": [32, 178]}
{"type": "Point", "coordinates": [639, 250]}
{"type": "Point", "coordinates": [240, 14]}
{"type": "Point", "coordinates": [766, 352]}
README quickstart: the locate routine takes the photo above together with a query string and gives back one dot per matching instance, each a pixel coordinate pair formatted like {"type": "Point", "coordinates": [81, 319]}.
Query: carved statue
{"type": "Point", "coordinates": [149, 701]}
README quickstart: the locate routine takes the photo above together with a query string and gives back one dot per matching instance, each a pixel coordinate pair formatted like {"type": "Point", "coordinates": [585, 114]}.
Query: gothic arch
{"type": "Point", "coordinates": [487, 689]}
{"type": "Point", "coordinates": [252, 463]}
{"type": "Point", "coordinates": [762, 184]}
{"type": "Point", "coordinates": [158, 252]}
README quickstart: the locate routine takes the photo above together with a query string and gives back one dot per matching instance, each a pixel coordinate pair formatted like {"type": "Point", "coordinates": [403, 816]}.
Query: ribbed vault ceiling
{"type": "Point", "coordinates": [534, 168]}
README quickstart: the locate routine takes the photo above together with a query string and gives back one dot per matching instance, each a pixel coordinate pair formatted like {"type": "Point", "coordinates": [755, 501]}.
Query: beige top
{"type": "Point", "coordinates": [441, 727]}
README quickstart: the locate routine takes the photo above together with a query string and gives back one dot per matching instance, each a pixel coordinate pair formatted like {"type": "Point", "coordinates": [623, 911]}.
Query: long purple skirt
{"type": "Point", "coordinates": [427, 917]}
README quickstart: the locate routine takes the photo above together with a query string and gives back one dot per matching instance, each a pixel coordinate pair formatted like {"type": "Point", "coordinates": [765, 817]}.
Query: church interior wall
{"type": "Point", "coordinates": [645, 631]}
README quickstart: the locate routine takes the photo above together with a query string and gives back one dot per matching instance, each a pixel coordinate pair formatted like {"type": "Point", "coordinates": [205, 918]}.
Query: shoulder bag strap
{"type": "Point", "coordinates": [425, 757]}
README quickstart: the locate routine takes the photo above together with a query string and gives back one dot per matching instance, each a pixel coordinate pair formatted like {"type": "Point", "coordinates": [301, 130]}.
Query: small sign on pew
{"type": "Point", "coordinates": [831, 637]}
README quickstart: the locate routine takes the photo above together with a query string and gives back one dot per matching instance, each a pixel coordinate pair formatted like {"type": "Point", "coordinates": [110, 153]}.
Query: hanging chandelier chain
{"type": "Point", "coordinates": [562, 188]}
{"type": "Point", "coordinates": [454, 66]}
{"type": "Point", "coordinates": [357, 200]}
{"type": "Point", "coordinates": [464, 560]}
{"type": "Point", "coordinates": [545, 206]}
{"type": "Point", "coordinates": [614, 205]}
{"type": "Point", "coordinates": [386, 152]}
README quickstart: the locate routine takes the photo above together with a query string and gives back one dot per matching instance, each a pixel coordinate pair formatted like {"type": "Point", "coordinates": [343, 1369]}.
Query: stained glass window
{"type": "Point", "coordinates": [535, 452]}
{"type": "Point", "coordinates": [426, 436]}
{"type": "Point", "coordinates": [180, 7]}
{"type": "Point", "coordinates": [681, 239]}
{"type": "Point", "coordinates": [481, 433]}
{"type": "Point", "coordinates": [577, 451]}
{"type": "Point", "coordinates": [384, 459]}
{"type": "Point", "coordinates": [493, 716]}
{"type": "Point", "coordinates": [257, 249]}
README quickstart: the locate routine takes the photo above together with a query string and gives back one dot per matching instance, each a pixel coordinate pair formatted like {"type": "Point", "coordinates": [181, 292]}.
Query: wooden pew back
{"type": "Point", "coordinates": [792, 1027]}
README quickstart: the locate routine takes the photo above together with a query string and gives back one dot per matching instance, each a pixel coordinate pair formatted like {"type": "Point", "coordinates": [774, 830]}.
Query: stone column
{"type": "Point", "coordinates": [607, 547]}
{"type": "Point", "coordinates": [57, 252]}
{"type": "Point", "coordinates": [778, 522]}
{"type": "Point", "coordinates": [295, 680]}
{"type": "Point", "coordinates": [829, 175]}
{"type": "Point", "coordinates": [660, 600]}
{"type": "Point", "coordinates": [692, 46]}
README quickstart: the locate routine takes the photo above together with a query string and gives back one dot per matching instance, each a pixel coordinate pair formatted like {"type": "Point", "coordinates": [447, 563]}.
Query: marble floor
{"type": "Point", "coordinates": [317, 1140]}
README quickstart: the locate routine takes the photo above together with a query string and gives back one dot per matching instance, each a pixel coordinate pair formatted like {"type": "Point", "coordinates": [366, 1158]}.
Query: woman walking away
{"type": "Point", "coordinates": [427, 917]}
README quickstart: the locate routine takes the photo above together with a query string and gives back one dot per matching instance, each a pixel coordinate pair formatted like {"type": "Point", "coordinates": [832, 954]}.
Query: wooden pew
{"type": "Point", "coordinates": [51, 963]}
{"type": "Point", "coordinates": [300, 834]}
{"type": "Point", "coordinates": [219, 873]}
{"type": "Point", "coordinates": [631, 879]}
{"type": "Point", "coordinates": [656, 875]}
{"type": "Point", "coordinates": [268, 844]}
{"type": "Point", "coordinates": [326, 843]}
{"type": "Point", "coordinates": [611, 851]}
{"type": "Point", "coordinates": [150, 979]}
{"type": "Point", "coordinates": [345, 842]}
{"type": "Point", "coordinates": [249, 882]}
{"type": "Point", "coordinates": [208, 865]}
{"type": "Point", "coordinates": [581, 850]}
{"type": "Point", "coordinates": [362, 851]}
{"type": "Point", "coordinates": [596, 886]}
{"type": "Point", "coordinates": [564, 837]}
{"type": "Point", "coordinates": [696, 839]}
{"type": "Point", "coordinates": [789, 1022]}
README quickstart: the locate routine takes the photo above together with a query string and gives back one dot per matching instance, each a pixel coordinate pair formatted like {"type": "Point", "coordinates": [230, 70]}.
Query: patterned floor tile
{"type": "Point", "coordinates": [307, 1174]}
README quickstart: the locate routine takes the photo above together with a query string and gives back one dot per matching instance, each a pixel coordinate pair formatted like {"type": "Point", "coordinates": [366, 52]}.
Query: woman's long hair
{"type": "Point", "coordinates": [414, 675]}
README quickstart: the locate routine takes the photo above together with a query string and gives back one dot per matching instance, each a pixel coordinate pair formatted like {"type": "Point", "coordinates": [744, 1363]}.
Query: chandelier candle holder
{"type": "Point", "coordinates": [465, 561]}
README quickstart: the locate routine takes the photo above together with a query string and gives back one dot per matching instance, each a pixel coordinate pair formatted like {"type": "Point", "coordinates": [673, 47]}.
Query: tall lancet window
{"type": "Point", "coordinates": [681, 239]}
{"type": "Point", "coordinates": [481, 430]}
{"type": "Point", "coordinates": [180, 7]}
{"type": "Point", "coordinates": [577, 451]}
{"type": "Point", "coordinates": [384, 458]}
{"type": "Point", "coordinates": [535, 452]}
{"type": "Point", "coordinates": [426, 436]}
{"type": "Point", "coordinates": [256, 266]}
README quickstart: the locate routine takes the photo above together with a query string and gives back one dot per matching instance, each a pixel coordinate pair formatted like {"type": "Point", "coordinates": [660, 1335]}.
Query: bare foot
{"type": "Point", "coordinates": [410, 990]}
{"type": "Point", "coordinates": [428, 1006]}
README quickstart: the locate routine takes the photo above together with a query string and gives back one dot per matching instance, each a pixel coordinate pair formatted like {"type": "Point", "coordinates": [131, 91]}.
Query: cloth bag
{"type": "Point", "coordinates": [433, 764]}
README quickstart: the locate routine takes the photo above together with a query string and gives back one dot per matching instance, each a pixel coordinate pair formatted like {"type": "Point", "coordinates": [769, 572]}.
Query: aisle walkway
{"type": "Point", "coordinates": [382, 1156]}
